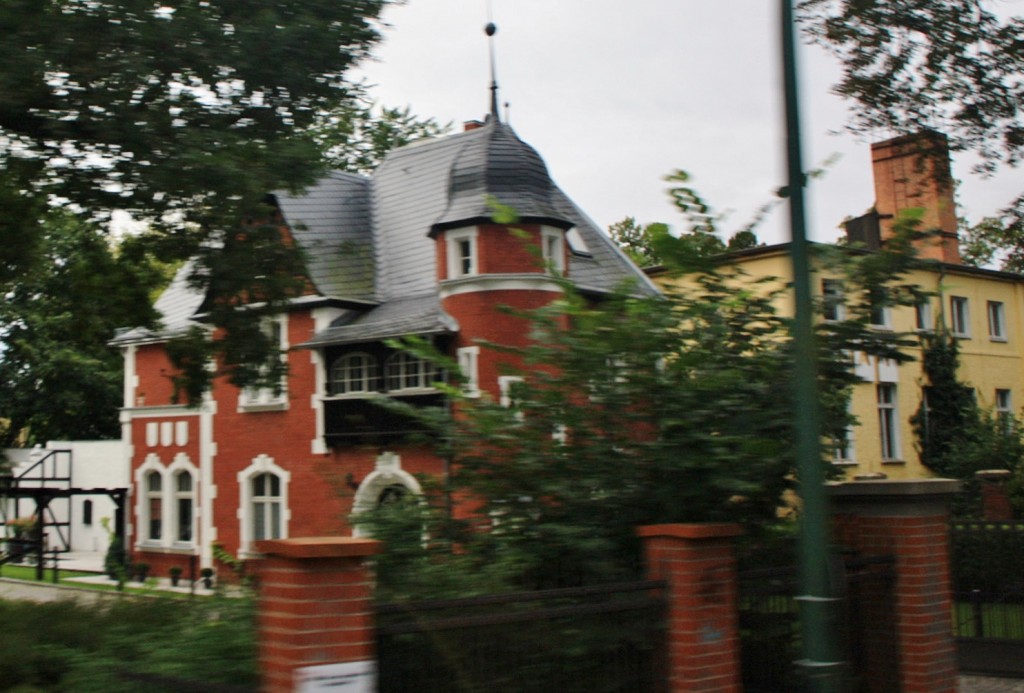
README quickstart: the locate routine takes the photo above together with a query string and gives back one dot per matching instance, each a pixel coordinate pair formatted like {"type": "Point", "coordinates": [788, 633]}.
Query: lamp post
{"type": "Point", "coordinates": [819, 662]}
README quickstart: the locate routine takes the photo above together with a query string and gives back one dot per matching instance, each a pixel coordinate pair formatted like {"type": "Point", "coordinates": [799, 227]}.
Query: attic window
{"type": "Point", "coordinates": [462, 254]}
{"type": "Point", "coordinates": [576, 243]}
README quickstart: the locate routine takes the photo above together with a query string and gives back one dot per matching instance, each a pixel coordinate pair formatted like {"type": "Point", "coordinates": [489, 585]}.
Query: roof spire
{"type": "Point", "coordinates": [490, 30]}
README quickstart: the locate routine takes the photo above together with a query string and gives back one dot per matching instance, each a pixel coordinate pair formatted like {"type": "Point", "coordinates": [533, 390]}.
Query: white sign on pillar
{"type": "Point", "coordinates": [349, 677]}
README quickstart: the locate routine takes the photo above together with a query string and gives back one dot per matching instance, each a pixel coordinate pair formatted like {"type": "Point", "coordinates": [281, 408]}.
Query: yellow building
{"type": "Point", "coordinates": [984, 309]}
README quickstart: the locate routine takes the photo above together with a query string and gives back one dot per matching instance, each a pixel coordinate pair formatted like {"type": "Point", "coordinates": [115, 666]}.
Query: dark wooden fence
{"type": "Point", "coordinates": [987, 570]}
{"type": "Point", "coordinates": [770, 632]}
{"type": "Point", "coordinates": [604, 638]}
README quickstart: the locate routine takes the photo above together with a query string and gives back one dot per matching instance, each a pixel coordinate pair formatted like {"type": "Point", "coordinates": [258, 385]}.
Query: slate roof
{"type": "Point", "coordinates": [368, 240]}
{"type": "Point", "coordinates": [176, 306]}
{"type": "Point", "coordinates": [331, 222]}
{"type": "Point", "coordinates": [419, 315]}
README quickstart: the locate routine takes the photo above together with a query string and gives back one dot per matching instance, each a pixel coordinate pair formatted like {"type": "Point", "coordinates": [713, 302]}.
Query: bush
{"type": "Point", "coordinates": [69, 646]}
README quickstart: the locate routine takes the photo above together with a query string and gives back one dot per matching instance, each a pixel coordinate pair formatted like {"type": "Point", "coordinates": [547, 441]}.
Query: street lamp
{"type": "Point", "coordinates": [819, 662]}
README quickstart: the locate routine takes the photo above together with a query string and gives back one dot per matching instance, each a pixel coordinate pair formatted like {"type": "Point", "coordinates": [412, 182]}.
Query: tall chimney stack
{"type": "Point", "coordinates": [913, 172]}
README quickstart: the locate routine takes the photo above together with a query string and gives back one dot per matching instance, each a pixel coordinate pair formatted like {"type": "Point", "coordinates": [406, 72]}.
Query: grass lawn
{"type": "Point", "coordinates": [997, 621]}
{"type": "Point", "coordinates": [28, 573]}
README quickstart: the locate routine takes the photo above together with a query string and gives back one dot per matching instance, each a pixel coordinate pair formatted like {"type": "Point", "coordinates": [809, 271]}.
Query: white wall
{"type": "Point", "coordinates": [94, 465]}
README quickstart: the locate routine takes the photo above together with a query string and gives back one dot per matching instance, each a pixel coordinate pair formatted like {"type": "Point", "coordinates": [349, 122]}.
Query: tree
{"type": "Point", "coordinates": [357, 137]}
{"type": "Point", "coordinates": [185, 114]}
{"type": "Point", "coordinates": [60, 378]}
{"type": "Point", "coordinates": [648, 410]}
{"type": "Point", "coordinates": [949, 65]}
{"type": "Point", "coordinates": [635, 240]}
{"type": "Point", "coordinates": [948, 410]}
{"type": "Point", "coordinates": [700, 236]}
{"type": "Point", "coordinates": [185, 107]}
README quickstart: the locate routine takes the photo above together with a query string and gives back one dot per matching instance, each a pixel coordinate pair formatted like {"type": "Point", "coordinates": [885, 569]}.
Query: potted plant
{"type": "Point", "coordinates": [207, 575]}
{"type": "Point", "coordinates": [175, 573]}
{"type": "Point", "coordinates": [140, 571]}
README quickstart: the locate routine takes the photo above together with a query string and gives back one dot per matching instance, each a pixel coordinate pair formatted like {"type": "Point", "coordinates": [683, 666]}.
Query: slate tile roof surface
{"type": "Point", "coordinates": [369, 240]}
{"type": "Point", "coordinates": [419, 315]}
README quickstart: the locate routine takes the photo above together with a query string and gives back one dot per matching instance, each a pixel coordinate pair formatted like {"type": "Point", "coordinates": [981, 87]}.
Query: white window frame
{"type": "Point", "coordinates": [844, 451]}
{"type": "Point", "coordinates": [468, 359]}
{"type": "Point", "coordinates": [263, 464]}
{"type": "Point", "coordinates": [402, 367]}
{"type": "Point", "coordinates": [923, 319]}
{"type": "Point", "coordinates": [832, 307]}
{"type": "Point", "coordinates": [1004, 405]}
{"type": "Point", "coordinates": [888, 421]}
{"type": "Point", "coordinates": [996, 321]}
{"type": "Point", "coordinates": [153, 495]}
{"type": "Point", "coordinates": [180, 495]}
{"type": "Point", "coordinates": [344, 385]}
{"type": "Point", "coordinates": [884, 313]}
{"type": "Point", "coordinates": [266, 398]}
{"type": "Point", "coordinates": [553, 249]}
{"type": "Point", "coordinates": [181, 465]}
{"type": "Point", "coordinates": [460, 264]}
{"type": "Point", "coordinates": [960, 316]}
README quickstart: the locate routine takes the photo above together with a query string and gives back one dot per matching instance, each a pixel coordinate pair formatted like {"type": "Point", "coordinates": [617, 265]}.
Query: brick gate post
{"type": "Point", "coordinates": [699, 565]}
{"type": "Point", "coordinates": [315, 609]}
{"type": "Point", "coordinates": [908, 519]}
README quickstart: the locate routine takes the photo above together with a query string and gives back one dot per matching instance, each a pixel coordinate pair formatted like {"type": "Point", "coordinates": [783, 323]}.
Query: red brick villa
{"type": "Point", "coordinates": [411, 250]}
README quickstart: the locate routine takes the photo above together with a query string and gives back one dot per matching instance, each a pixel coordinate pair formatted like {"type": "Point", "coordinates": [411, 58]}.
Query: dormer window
{"type": "Point", "coordinates": [462, 253]}
{"type": "Point", "coordinates": [354, 373]}
{"type": "Point", "coordinates": [404, 371]}
{"type": "Point", "coordinates": [553, 248]}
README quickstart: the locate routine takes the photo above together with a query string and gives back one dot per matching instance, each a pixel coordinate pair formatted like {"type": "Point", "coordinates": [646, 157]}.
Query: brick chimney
{"type": "Point", "coordinates": [913, 172]}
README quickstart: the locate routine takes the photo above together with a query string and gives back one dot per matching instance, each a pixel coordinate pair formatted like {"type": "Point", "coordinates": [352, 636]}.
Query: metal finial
{"type": "Point", "coordinates": [491, 30]}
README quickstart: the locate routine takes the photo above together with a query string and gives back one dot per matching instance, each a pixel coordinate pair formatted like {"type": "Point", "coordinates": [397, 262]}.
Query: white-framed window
{"type": "Point", "coordinates": [842, 449]}
{"type": "Point", "coordinates": [960, 316]}
{"type": "Point", "coordinates": [507, 385]}
{"type": "Point", "coordinates": [154, 507]}
{"type": "Point", "coordinates": [1004, 407]}
{"type": "Point", "coordinates": [353, 373]}
{"type": "Point", "coordinates": [888, 422]}
{"type": "Point", "coordinates": [263, 511]}
{"type": "Point", "coordinates": [553, 249]}
{"type": "Point", "coordinates": [881, 314]}
{"type": "Point", "coordinates": [832, 308]}
{"type": "Point", "coordinates": [463, 260]}
{"type": "Point", "coordinates": [184, 507]}
{"type": "Point", "coordinates": [266, 506]}
{"type": "Point", "coordinates": [261, 398]}
{"type": "Point", "coordinates": [842, 446]}
{"type": "Point", "coordinates": [405, 371]}
{"type": "Point", "coordinates": [468, 358]}
{"type": "Point", "coordinates": [996, 321]}
{"type": "Point", "coordinates": [923, 320]}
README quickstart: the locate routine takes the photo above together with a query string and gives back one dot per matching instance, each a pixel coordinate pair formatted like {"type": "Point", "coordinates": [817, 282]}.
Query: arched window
{"type": "Point", "coordinates": [266, 506]}
{"type": "Point", "coordinates": [404, 371]}
{"type": "Point", "coordinates": [353, 373]}
{"type": "Point", "coordinates": [154, 506]}
{"type": "Point", "coordinates": [87, 512]}
{"type": "Point", "coordinates": [183, 504]}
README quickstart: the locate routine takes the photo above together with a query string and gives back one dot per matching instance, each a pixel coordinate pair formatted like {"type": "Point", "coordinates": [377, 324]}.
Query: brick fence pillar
{"type": "Point", "coordinates": [699, 565]}
{"type": "Point", "coordinates": [995, 494]}
{"type": "Point", "coordinates": [908, 519]}
{"type": "Point", "coordinates": [315, 607]}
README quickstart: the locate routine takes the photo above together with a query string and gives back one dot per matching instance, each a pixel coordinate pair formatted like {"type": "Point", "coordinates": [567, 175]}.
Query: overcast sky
{"type": "Point", "coordinates": [614, 95]}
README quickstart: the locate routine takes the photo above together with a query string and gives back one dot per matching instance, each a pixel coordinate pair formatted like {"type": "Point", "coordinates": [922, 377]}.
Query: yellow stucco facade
{"type": "Point", "coordinates": [989, 307]}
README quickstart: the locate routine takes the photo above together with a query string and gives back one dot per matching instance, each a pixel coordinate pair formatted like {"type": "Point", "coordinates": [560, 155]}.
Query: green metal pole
{"type": "Point", "coordinates": [819, 663]}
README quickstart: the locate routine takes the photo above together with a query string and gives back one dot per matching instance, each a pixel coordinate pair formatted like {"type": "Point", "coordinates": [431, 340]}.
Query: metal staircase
{"type": "Point", "coordinates": [42, 492]}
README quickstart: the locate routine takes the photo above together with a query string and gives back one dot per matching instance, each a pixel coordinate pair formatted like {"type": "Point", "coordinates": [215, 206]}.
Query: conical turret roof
{"type": "Point", "coordinates": [497, 166]}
